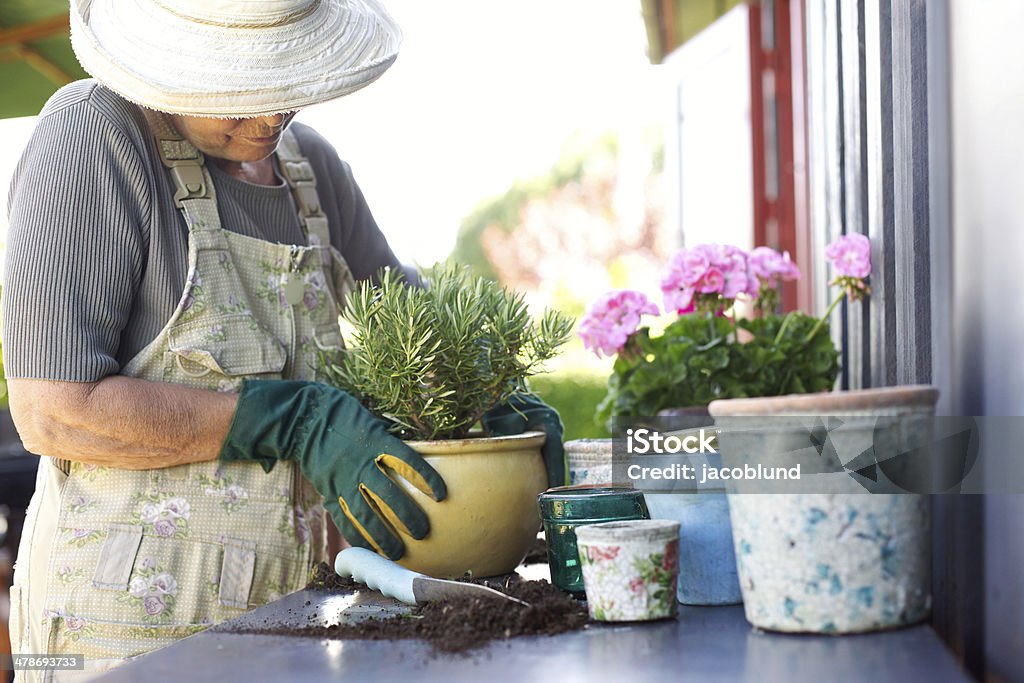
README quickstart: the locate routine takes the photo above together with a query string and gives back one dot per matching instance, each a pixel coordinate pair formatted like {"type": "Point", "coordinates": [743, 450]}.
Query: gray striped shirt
{"type": "Point", "coordinates": [97, 252]}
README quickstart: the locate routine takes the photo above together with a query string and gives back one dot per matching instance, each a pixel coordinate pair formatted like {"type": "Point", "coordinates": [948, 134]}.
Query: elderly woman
{"type": "Point", "coordinates": [177, 256]}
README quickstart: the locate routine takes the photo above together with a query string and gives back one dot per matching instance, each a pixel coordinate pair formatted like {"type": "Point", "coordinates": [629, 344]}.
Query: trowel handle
{"type": "Point", "coordinates": [379, 573]}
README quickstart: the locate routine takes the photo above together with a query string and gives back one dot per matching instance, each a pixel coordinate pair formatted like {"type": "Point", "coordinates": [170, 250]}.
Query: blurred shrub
{"type": "Point", "coordinates": [575, 396]}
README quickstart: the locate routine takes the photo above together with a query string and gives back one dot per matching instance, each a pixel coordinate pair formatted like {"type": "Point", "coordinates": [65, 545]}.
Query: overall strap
{"type": "Point", "coordinates": [194, 193]}
{"type": "Point", "coordinates": [298, 173]}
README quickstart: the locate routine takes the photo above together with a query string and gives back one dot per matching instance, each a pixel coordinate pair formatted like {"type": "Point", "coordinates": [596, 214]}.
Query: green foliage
{"type": "Point", "coordinates": [573, 395]}
{"type": "Point", "coordinates": [433, 360]}
{"type": "Point", "coordinates": [696, 360]}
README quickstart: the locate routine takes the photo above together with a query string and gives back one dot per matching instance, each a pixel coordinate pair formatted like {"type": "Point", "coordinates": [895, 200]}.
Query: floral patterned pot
{"type": "Point", "coordinates": [839, 561]}
{"type": "Point", "coordinates": [630, 569]}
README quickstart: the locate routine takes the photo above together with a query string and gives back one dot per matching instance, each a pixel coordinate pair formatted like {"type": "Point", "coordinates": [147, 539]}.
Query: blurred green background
{"type": "Point", "coordinates": [575, 396]}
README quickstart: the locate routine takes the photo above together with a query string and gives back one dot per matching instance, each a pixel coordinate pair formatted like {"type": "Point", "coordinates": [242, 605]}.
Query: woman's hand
{"type": "Point", "coordinates": [525, 411]}
{"type": "Point", "coordinates": [345, 451]}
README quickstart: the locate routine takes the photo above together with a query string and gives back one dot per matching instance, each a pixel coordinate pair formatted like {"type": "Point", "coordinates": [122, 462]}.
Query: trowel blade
{"type": "Point", "coordinates": [429, 590]}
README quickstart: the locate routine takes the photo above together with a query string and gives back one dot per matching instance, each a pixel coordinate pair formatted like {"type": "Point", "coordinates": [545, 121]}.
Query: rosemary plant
{"type": "Point", "coordinates": [433, 360]}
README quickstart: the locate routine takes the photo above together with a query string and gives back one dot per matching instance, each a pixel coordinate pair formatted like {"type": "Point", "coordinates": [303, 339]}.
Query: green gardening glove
{"type": "Point", "coordinates": [343, 450]}
{"type": "Point", "coordinates": [523, 412]}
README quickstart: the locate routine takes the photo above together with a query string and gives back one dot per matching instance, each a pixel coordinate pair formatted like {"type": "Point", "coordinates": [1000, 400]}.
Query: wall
{"type": "Point", "coordinates": [987, 96]}
{"type": "Point", "coordinates": [708, 137]}
{"type": "Point", "coordinates": [915, 110]}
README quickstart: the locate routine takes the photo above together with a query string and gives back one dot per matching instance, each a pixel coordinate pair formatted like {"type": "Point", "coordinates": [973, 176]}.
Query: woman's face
{"type": "Point", "coordinates": [239, 140]}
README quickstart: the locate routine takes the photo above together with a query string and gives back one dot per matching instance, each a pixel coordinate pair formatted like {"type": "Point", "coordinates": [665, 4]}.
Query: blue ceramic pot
{"type": "Point", "coordinates": [707, 562]}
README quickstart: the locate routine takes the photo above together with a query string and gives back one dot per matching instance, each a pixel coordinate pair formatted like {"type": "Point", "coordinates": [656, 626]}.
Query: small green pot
{"type": "Point", "coordinates": [566, 507]}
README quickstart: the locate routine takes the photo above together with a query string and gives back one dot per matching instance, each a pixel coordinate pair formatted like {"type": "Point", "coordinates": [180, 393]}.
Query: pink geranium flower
{"type": "Point", "coordinates": [735, 272]}
{"type": "Point", "coordinates": [770, 266]}
{"type": "Point", "coordinates": [712, 281]}
{"type": "Point", "coordinates": [692, 264]}
{"type": "Point", "coordinates": [608, 324]}
{"type": "Point", "coordinates": [850, 255]}
{"type": "Point", "coordinates": [680, 300]}
{"type": "Point", "coordinates": [705, 269]}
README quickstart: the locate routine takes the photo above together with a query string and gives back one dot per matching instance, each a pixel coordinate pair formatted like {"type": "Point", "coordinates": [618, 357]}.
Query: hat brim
{"type": "Point", "coordinates": [169, 63]}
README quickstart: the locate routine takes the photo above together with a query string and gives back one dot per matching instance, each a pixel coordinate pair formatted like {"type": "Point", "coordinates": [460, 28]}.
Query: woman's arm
{"type": "Point", "coordinates": [121, 422]}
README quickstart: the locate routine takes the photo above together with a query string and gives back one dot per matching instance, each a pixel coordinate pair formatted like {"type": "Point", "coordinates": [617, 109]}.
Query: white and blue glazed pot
{"type": "Point", "coordinates": [832, 557]}
{"type": "Point", "coordinates": [589, 462]}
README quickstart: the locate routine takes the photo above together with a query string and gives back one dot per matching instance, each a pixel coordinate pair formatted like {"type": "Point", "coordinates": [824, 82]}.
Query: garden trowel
{"type": "Point", "coordinates": [393, 580]}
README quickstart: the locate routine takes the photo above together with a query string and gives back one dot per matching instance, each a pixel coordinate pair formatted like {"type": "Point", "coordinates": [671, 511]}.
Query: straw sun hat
{"type": "Point", "coordinates": [233, 58]}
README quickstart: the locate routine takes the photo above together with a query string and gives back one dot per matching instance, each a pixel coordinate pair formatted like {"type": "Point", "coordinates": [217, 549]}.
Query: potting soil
{"type": "Point", "coordinates": [324, 578]}
{"type": "Point", "coordinates": [452, 625]}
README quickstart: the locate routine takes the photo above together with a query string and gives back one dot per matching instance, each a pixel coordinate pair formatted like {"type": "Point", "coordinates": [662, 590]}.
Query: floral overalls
{"type": "Point", "coordinates": [116, 563]}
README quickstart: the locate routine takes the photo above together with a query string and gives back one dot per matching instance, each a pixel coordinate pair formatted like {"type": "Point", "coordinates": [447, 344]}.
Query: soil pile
{"type": "Point", "coordinates": [455, 625]}
{"type": "Point", "coordinates": [324, 578]}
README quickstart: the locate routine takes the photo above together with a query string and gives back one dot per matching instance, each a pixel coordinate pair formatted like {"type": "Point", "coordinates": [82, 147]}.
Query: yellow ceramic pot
{"type": "Point", "coordinates": [489, 520]}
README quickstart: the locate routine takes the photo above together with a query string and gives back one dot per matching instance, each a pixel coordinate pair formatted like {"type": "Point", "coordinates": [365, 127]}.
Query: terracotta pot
{"type": "Point", "coordinates": [834, 562]}
{"type": "Point", "coordinates": [489, 520]}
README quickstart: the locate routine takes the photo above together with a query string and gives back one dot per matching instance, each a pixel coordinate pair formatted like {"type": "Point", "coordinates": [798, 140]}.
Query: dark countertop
{"type": "Point", "coordinates": [703, 644]}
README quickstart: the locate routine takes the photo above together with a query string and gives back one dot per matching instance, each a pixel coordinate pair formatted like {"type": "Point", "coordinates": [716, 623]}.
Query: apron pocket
{"type": "Point", "coordinates": [213, 351]}
{"type": "Point", "coordinates": [117, 557]}
{"type": "Point", "coordinates": [237, 572]}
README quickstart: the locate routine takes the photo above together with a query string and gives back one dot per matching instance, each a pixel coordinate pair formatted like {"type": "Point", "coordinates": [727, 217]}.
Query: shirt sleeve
{"type": "Point", "coordinates": [79, 209]}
